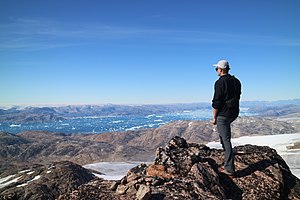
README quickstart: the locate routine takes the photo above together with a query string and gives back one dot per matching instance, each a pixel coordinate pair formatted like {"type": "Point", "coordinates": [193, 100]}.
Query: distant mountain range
{"type": "Point", "coordinates": [46, 114]}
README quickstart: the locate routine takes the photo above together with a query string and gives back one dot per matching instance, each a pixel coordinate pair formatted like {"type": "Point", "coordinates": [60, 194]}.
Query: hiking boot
{"type": "Point", "coordinates": [224, 171]}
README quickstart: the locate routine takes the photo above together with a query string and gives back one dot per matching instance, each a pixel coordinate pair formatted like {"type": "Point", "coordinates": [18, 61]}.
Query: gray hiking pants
{"type": "Point", "coordinates": [223, 126]}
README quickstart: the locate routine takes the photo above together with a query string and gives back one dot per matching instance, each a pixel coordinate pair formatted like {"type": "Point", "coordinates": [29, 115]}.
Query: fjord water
{"type": "Point", "coordinates": [101, 124]}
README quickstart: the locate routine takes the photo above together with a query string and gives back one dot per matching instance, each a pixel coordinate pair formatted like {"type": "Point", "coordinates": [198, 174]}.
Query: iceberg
{"type": "Point", "coordinates": [14, 125]}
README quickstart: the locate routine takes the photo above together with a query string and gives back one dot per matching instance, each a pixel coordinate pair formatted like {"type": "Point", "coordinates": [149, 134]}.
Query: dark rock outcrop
{"type": "Point", "coordinates": [189, 171]}
{"type": "Point", "coordinates": [44, 182]}
{"type": "Point", "coordinates": [11, 139]}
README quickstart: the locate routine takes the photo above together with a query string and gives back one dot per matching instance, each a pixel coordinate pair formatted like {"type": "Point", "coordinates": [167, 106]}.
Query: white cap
{"type": "Point", "coordinates": [223, 64]}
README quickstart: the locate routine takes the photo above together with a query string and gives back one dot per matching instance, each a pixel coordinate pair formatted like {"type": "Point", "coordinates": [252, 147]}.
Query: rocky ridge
{"type": "Point", "coordinates": [180, 170]}
{"type": "Point", "coordinates": [42, 181]}
{"type": "Point", "coordinates": [184, 170]}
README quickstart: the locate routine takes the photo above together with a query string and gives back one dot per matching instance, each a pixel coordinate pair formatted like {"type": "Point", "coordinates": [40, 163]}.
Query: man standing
{"type": "Point", "coordinates": [225, 105]}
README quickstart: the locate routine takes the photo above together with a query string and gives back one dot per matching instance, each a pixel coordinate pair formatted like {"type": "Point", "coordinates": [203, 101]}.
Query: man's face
{"type": "Point", "coordinates": [218, 70]}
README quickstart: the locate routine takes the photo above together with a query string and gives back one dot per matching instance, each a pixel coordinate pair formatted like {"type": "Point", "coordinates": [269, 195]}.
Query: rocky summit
{"type": "Point", "coordinates": [181, 170]}
{"type": "Point", "coordinates": [184, 170]}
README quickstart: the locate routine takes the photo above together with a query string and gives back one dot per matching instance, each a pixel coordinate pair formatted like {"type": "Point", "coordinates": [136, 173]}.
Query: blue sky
{"type": "Point", "coordinates": [145, 52]}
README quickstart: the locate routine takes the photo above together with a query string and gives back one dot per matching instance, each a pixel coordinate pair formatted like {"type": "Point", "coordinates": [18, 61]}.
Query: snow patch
{"type": "Point", "coordinates": [22, 185]}
{"type": "Point", "coordinates": [35, 178]}
{"type": "Point", "coordinates": [8, 180]}
{"type": "Point", "coordinates": [24, 171]}
{"type": "Point", "coordinates": [112, 170]}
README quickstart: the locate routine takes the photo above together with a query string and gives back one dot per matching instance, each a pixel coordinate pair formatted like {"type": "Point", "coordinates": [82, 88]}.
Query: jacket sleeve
{"type": "Point", "coordinates": [239, 89]}
{"type": "Point", "coordinates": [217, 101]}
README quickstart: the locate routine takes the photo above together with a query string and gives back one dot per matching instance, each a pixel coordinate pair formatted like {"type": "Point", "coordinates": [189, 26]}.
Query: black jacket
{"type": "Point", "coordinates": [226, 88]}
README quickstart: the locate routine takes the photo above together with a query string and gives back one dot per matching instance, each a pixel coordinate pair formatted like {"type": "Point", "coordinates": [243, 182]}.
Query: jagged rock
{"type": "Point", "coordinates": [95, 189]}
{"type": "Point", "coordinates": [121, 189]}
{"type": "Point", "coordinates": [114, 185]}
{"type": "Point", "coordinates": [177, 142]}
{"type": "Point", "coordinates": [144, 193]}
{"type": "Point", "coordinates": [156, 170]}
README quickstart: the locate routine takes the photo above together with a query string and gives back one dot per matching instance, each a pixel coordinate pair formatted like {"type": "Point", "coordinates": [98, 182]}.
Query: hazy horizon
{"type": "Point", "coordinates": [129, 104]}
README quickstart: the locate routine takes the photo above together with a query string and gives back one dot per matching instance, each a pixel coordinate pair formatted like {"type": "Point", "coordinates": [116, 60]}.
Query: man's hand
{"type": "Point", "coordinates": [214, 121]}
{"type": "Point", "coordinates": [215, 114]}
